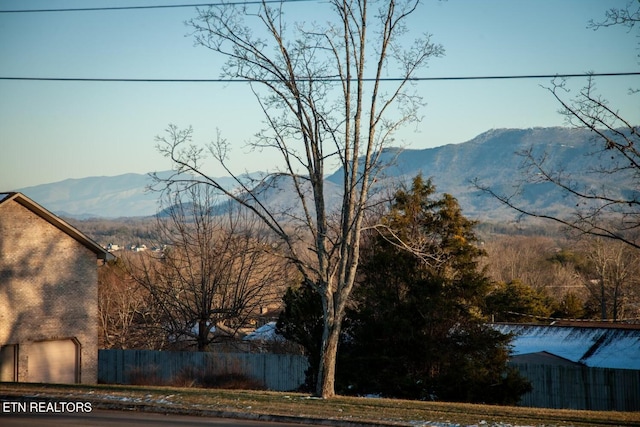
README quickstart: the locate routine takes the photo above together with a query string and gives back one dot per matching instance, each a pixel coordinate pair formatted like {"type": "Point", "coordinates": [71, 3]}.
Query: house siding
{"type": "Point", "coordinates": [48, 288]}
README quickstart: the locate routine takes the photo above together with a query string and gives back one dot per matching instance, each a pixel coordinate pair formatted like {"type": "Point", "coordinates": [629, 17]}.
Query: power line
{"type": "Point", "coordinates": [166, 6]}
{"type": "Point", "coordinates": [565, 319]}
{"type": "Point", "coordinates": [325, 79]}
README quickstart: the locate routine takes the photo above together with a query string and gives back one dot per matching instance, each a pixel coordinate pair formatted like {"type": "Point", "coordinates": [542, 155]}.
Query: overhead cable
{"type": "Point", "coordinates": [165, 6]}
{"type": "Point", "coordinates": [320, 79]}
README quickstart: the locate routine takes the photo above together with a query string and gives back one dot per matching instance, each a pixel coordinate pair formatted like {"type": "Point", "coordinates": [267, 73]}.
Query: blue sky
{"type": "Point", "coordinates": [50, 131]}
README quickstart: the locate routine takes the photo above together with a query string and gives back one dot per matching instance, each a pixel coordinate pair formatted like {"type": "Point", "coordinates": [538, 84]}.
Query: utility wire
{"type": "Point", "coordinates": [565, 319]}
{"type": "Point", "coordinates": [166, 6]}
{"type": "Point", "coordinates": [325, 79]}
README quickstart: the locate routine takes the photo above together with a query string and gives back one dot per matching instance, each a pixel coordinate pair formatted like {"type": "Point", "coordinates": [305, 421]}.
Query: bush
{"type": "Point", "coordinates": [195, 377]}
{"type": "Point", "coordinates": [215, 377]}
{"type": "Point", "coordinates": [146, 376]}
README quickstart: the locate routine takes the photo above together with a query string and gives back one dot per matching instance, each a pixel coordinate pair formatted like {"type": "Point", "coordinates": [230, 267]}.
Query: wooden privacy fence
{"type": "Point", "coordinates": [279, 372]}
{"type": "Point", "coordinates": [581, 387]}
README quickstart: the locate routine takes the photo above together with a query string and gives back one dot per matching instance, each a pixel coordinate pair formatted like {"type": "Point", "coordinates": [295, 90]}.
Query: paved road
{"type": "Point", "coordinates": [102, 418]}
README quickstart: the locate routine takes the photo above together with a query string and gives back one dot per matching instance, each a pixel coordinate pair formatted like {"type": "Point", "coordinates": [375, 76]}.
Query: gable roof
{"type": "Point", "coordinates": [54, 220]}
{"type": "Point", "coordinates": [600, 347]}
{"type": "Point", "coordinates": [543, 357]}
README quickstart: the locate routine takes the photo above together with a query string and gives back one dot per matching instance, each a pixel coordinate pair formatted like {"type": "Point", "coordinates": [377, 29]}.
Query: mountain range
{"type": "Point", "coordinates": [491, 158]}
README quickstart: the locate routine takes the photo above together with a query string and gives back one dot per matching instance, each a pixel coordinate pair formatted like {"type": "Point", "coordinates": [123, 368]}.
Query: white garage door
{"type": "Point", "coordinates": [53, 362]}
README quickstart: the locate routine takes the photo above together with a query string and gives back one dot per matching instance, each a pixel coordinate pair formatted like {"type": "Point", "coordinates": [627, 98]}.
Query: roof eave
{"type": "Point", "coordinates": [61, 224]}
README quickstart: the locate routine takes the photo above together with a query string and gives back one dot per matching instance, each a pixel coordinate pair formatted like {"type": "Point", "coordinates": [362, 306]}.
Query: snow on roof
{"type": "Point", "coordinates": [266, 332]}
{"type": "Point", "coordinates": [595, 347]}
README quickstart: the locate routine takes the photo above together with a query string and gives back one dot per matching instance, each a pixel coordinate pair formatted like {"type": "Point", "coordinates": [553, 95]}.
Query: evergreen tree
{"type": "Point", "coordinates": [301, 322]}
{"type": "Point", "coordinates": [518, 303]}
{"type": "Point", "coordinates": [416, 329]}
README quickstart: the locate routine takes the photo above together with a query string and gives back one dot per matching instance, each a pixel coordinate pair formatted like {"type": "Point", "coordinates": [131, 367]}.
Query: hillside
{"type": "Point", "coordinates": [98, 196]}
{"type": "Point", "coordinates": [490, 157]}
{"type": "Point", "coordinates": [101, 196]}
{"type": "Point", "coordinates": [493, 159]}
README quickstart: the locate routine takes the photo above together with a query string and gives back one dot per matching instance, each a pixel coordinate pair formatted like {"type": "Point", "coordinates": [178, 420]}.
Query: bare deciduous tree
{"type": "Point", "coordinates": [216, 273]}
{"type": "Point", "coordinates": [326, 104]}
{"type": "Point", "coordinates": [611, 276]}
{"type": "Point", "coordinates": [627, 16]}
{"type": "Point", "coordinates": [599, 210]}
{"type": "Point", "coordinates": [530, 260]}
{"type": "Point", "coordinates": [122, 309]}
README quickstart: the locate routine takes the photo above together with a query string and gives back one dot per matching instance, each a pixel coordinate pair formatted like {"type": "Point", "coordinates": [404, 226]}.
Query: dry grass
{"type": "Point", "coordinates": [209, 402]}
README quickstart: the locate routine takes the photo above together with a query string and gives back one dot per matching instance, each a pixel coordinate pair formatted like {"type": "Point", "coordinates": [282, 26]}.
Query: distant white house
{"type": "Point", "coordinates": [112, 247]}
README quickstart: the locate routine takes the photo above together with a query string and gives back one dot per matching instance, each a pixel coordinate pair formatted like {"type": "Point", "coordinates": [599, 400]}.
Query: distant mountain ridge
{"type": "Point", "coordinates": [97, 196]}
{"type": "Point", "coordinates": [118, 196]}
{"type": "Point", "coordinates": [490, 157]}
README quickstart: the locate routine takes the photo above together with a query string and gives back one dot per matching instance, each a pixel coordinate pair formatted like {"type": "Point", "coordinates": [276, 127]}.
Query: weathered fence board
{"type": "Point", "coordinates": [280, 372]}
{"type": "Point", "coordinates": [581, 387]}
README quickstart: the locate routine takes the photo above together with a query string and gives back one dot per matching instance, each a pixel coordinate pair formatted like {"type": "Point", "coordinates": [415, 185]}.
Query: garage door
{"type": "Point", "coordinates": [53, 361]}
{"type": "Point", "coordinates": [8, 365]}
